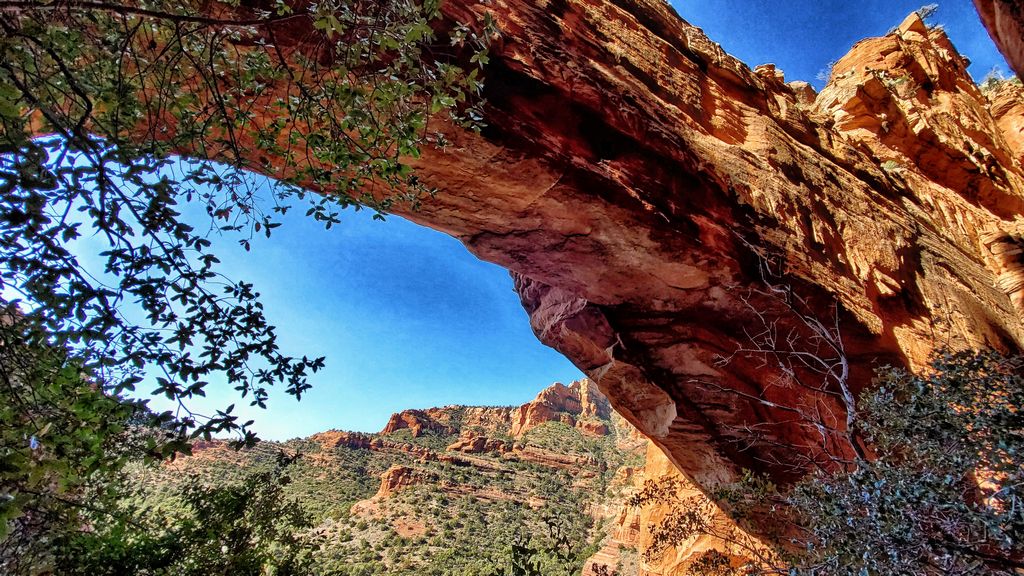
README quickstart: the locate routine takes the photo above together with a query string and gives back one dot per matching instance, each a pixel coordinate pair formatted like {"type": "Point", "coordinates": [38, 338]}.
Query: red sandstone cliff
{"type": "Point", "coordinates": [416, 422]}
{"type": "Point", "coordinates": [492, 441]}
{"type": "Point", "coordinates": [494, 430]}
{"type": "Point", "coordinates": [578, 404]}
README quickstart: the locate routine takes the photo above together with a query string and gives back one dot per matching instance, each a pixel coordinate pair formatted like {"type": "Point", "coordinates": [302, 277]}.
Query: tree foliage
{"type": "Point", "coordinates": [62, 441]}
{"type": "Point", "coordinates": [939, 493]}
{"type": "Point", "coordinates": [943, 494]}
{"type": "Point", "coordinates": [330, 96]}
{"type": "Point", "coordinates": [242, 529]}
{"type": "Point", "coordinates": [117, 118]}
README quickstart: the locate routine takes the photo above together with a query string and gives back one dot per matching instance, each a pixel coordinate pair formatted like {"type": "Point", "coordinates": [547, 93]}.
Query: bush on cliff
{"type": "Point", "coordinates": [941, 491]}
{"type": "Point", "coordinates": [944, 493]}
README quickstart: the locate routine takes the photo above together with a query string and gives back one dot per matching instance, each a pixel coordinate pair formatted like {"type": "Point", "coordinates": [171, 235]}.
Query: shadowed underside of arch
{"type": "Point", "coordinates": [632, 173]}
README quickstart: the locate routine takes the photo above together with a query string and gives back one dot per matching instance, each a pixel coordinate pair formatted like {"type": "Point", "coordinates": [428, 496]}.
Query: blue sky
{"type": "Point", "coordinates": [406, 317]}
{"type": "Point", "coordinates": [409, 319]}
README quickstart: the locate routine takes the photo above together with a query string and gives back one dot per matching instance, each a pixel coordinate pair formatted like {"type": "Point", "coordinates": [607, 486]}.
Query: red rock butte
{"type": "Point", "coordinates": [652, 194]}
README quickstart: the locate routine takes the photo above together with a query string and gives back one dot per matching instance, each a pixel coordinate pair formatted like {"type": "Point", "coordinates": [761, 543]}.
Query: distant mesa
{"type": "Point", "coordinates": [417, 422]}
{"type": "Point", "coordinates": [579, 404]}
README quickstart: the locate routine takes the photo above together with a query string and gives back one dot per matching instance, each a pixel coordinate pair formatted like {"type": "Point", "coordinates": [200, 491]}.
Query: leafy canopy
{"type": "Point", "coordinates": [97, 97]}
{"type": "Point", "coordinates": [939, 494]}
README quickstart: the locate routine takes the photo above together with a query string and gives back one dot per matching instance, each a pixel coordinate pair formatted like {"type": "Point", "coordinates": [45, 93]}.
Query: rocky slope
{"type": "Point", "coordinates": [564, 455]}
{"type": "Point", "coordinates": [684, 229]}
{"type": "Point", "coordinates": [449, 490]}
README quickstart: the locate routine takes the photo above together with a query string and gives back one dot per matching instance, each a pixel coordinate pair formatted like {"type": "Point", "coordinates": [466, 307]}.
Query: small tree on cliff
{"type": "Point", "coordinates": [806, 374]}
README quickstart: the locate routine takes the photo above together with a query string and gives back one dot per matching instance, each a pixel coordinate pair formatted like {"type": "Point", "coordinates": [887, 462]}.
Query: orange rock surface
{"type": "Point", "coordinates": [633, 528]}
{"type": "Point", "coordinates": [1008, 110]}
{"type": "Point", "coordinates": [416, 422]}
{"type": "Point", "coordinates": [632, 218]}
{"type": "Point", "coordinates": [561, 403]}
{"type": "Point", "coordinates": [471, 443]}
{"type": "Point", "coordinates": [481, 429]}
{"type": "Point", "coordinates": [394, 479]}
{"type": "Point", "coordinates": [398, 477]}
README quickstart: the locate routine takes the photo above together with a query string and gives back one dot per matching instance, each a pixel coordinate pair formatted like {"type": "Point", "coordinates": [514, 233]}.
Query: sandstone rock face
{"type": "Point", "coordinates": [1005, 22]}
{"type": "Point", "coordinates": [471, 443]}
{"type": "Point", "coordinates": [375, 443]}
{"type": "Point", "coordinates": [593, 404]}
{"type": "Point", "coordinates": [677, 560]}
{"type": "Point", "coordinates": [634, 527]}
{"type": "Point", "coordinates": [416, 422]}
{"type": "Point", "coordinates": [579, 404]}
{"type": "Point", "coordinates": [487, 430]}
{"type": "Point", "coordinates": [487, 419]}
{"type": "Point", "coordinates": [398, 477]}
{"type": "Point", "coordinates": [395, 478]}
{"type": "Point", "coordinates": [549, 458]}
{"type": "Point", "coordinates": [335, 438]}
{"type": "Point", "coordinates": [680, 213]}
{"type": "Point", "coordinates": [592, 427]}
{"type": "Point", "coordinates": [643, 220]}
{"type": "Point", "coordinates": [568, 404]}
